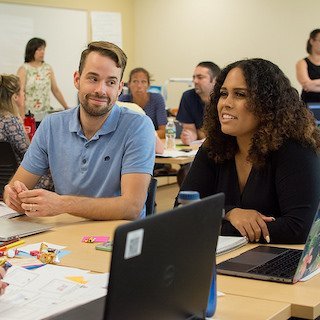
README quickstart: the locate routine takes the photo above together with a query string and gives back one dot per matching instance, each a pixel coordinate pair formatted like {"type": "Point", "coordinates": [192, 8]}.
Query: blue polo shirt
{"type": "Point", "coordinates": [191, 109]}
{"type": "Point", "coordinates": [155, 108]}
{"type": "Point", "coordinates": [124, 144]}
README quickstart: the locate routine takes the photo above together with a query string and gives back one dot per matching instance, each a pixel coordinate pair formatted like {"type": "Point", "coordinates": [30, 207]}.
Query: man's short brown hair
{"type": "Point", "coordinates": [106, 49]}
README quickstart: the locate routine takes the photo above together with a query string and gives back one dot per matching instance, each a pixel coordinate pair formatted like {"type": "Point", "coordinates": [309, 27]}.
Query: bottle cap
{"type": "Point", "coordinates": [189, 195]}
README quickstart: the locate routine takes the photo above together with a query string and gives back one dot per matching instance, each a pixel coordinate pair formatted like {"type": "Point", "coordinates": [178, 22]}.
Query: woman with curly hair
{"type": "Point", "coordinates": [262, 151]}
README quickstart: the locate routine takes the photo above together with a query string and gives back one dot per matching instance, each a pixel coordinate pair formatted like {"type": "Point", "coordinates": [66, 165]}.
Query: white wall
{"type": "Point", "coordinates": [20, 23]}
{"type": "Point", "coordinates": [172, 36]}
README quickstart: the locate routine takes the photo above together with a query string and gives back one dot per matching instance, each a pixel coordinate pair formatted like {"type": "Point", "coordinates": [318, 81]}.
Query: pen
{"type": "Point", "coordinates": [11, 245]}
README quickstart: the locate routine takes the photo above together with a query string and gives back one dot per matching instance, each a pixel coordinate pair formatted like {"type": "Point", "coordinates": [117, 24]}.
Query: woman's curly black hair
{"type": "Point", "coordinates": [277, 105]}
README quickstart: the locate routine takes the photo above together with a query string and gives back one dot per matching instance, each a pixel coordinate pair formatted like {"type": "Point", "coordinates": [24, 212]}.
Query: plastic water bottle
{"type": "Point", "coordinates": [186, 197]}
{"type": "Point", "coordinates": [170, 135]}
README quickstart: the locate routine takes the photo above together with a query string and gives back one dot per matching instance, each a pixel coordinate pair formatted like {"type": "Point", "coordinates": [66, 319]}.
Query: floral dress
{"type": "Point", "coordinates": [38, 88]}
{"type": "Point", "coordinates": [11, 130]}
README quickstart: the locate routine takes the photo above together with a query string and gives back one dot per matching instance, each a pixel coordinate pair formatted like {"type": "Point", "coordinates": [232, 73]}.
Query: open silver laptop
{"type": "Point", "coordinates": [11, 229]}
{"type": "Point", "coordinates": [161, 266]}
{"type": "Point", "coordinates": [277, 264]}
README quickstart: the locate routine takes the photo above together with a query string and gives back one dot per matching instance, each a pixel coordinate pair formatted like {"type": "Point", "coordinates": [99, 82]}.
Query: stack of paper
{"type": "Point", "coordinates": [227, 244]}
{"type": "Point", "coordinates": [48, 290]}
{"type": "Point", "coordinates": [176, 153]}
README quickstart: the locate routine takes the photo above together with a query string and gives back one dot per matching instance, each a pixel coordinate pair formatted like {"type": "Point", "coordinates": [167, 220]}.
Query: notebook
{"type": "Point", "coordinates": [161, 266]}
{"type": "Point", "coordinates": [8, 213]}
{"type": "Point", "coordinates": [11, 229]}
{"type": "Point", "coordinates": [227, 244]}
{"type": "Point", "coordinates": [277, 264]}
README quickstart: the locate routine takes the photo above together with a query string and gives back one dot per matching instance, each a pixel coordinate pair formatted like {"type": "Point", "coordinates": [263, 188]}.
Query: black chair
{"type": "Point", "coordinates": [151, 197]}
{"type": "Point", "coordinates": [8, 164]}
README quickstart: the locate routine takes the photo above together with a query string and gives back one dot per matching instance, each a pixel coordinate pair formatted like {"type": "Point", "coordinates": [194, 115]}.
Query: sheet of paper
{"type": "Point", "coordinates": [176, 154]}
{"type": "Point", "coordinates": [106, 26]}
{"type": "Point", "coordinates": [227, 244]}
{"type": "Point", "coordinates": [45, 291]}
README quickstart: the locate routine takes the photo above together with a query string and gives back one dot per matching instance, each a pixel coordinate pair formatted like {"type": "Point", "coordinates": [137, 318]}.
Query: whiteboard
{"type": "Point", "coordinates": [64, 30]}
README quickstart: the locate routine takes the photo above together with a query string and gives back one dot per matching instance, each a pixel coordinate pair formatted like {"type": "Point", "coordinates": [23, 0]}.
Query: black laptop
{"type": "Point", "coordinates": [277, 264]}
{"type": "Point", "coordinates": [161, 266]}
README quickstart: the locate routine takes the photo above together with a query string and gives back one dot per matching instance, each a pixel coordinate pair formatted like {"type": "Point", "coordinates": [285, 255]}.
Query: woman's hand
{"type": "Point", "coordinates": [250, 223]}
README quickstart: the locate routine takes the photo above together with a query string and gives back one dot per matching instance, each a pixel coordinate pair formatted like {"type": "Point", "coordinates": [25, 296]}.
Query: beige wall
{"type": "Point", "coordinates": [169, 37]}
{"type": "Point", "coordinates": [172, 36]}
{"type": "Point", "coordinates": [125, 7]}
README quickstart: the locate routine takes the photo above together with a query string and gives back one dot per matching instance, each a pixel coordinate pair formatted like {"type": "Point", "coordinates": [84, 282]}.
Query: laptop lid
{"type": "Point", "coordinates": [11, 229]}
{"type": "Point", "coordinates": [308, 259]}
{"type": "Point", "coordinates": [161, 266]}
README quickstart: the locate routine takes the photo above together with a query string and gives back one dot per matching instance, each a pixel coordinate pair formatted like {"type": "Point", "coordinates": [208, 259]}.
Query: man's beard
{"type": "Point", "coordinates": [198, 90]}
{"type": "Point", "coordinates": [96, 111]}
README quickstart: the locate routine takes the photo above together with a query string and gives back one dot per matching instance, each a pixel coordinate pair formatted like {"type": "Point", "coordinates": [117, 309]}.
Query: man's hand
{"type": "Point", "coordinates": [250, 223]}
{"type": "Point", "coordinates": [12, 199]}
{"type": "Point", "coordinates": [40, 203]}
{"type": "Point", "coordinates": [187, 136]}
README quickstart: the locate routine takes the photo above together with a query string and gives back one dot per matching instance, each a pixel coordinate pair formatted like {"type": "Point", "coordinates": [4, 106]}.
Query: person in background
{"type": "Point", "coordinates": [152, 103]}
{"type": "Point", "coordinates": [3, 285]}
{"type": "Point", "coordinates": [308, 69]}
{"type": "Point", "coordinates": [98, 153]}
{"type": "Point", "coordinates": [262, 151]}
{"type": "Point", "coordinates": [11, 124]}
{"type": "Point", "coordinates": [159, 148]}
{"type": "Point", "coordinates": [192, 104]}
{"type": "Point", "coordinates": [38, 80]}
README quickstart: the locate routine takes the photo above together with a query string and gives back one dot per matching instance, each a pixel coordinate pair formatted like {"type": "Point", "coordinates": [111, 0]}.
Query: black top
{"type": "Point", "coordinates": [191, 109]}
{"type": "Point", "coordinates": [314, 73]}
{"type": "Point", "coordinates": [287, 188]}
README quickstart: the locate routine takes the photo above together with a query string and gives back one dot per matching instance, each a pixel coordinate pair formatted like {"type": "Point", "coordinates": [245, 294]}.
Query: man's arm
{"type": "Point", "coordinates": [190, 133]}
{"type": "Point", "coordinates": [161, 131]}
{"type": "Point", "coordinates": [127, 206]}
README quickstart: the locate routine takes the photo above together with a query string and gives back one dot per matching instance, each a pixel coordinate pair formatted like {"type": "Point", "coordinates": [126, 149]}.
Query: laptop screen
{"type": "Point", "coordinates": [162, 266]}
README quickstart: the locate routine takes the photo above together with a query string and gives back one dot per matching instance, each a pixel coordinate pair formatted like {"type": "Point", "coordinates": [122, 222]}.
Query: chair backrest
{"type": "Point", "coordinates": [130, 105]}
{"type": "Point", "coordinates": [151, 197]}
{"type": "Point", "coordinates": [8, 164]}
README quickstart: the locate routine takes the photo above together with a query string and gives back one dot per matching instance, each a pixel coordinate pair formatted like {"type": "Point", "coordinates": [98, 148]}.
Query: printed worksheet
{"type": "Point", "coordinates": [43, 292]}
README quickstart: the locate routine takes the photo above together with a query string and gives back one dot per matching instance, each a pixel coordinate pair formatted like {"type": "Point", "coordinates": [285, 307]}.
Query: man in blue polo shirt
{"type": "Point", "coordinates": [100, 156]}
{"type": "Point", "coordinates": [192, 104]}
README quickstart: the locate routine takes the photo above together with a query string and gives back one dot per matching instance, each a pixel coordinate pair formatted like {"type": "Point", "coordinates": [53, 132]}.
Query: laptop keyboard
{"type": "Point", "coordinates": [283, 266]}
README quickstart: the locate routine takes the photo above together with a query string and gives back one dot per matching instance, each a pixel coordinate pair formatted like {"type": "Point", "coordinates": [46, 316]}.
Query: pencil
{"type": "Point", "coordinates": [11, 245]}
{"type": "Point", "coordinates": [3, 261]}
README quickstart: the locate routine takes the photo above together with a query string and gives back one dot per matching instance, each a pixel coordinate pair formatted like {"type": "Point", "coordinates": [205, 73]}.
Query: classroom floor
{"type": "Point", "coordinates": [165, 197]}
